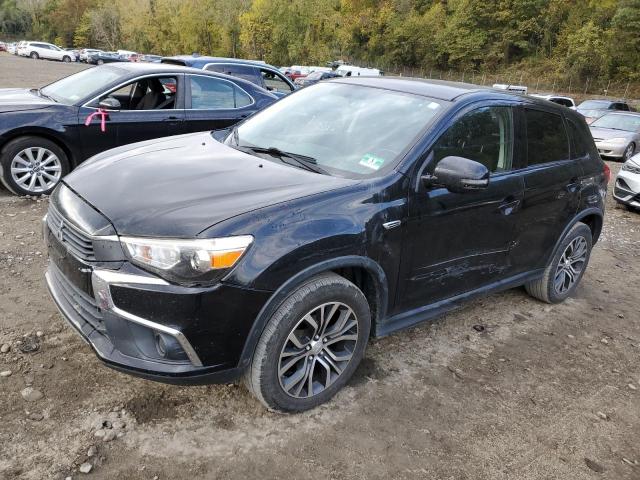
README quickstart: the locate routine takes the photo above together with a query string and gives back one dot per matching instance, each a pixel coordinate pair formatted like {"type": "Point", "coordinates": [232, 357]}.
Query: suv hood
{"type": "Point", "coordinates": [179, 186]}
{"type": "Point", "coordinates": [600, 133]}
{"type": "Point", "coordinates": [20, 99]}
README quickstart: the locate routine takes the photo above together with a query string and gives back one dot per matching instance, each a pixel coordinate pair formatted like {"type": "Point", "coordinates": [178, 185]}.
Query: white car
{"type": "Point", "coordinates": [627, 187]}
{"type": "Point", "coordinates": [353, 71]}
{"type": "Point", "coordinates": [12, 48]}
{"type": "Point", "coordinates": [85, 53]}
{"type": "Point", "coordinates": [559, 99]}
{"type": "Point", "coordinates": [47, 51]}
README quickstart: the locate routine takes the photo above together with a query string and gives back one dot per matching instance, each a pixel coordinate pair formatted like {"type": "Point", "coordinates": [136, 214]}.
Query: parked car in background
{"type": "Point", "coordinates": [297, 71]}
{"type": "Point", "coordinates": [349, 209]}
{"type": "Point", "coordinates": [43, 135]}
{"type": "Point", "coordinates": [100, 58]}
{"type": "Point", "coordinates": [511, 88]}
{"type": "Point", "coordinates": [353, 71]}
{"type": "Point", "coordinates": [150, 58]}
{"type": "Point", "coordinates": [128, 55]}
{"type": "Point", "coordinates": [22, 48]}
{"type": "Point", "coordinates": [259, 73]}
{"type": "Point", "coordinates": [12, 48]}
{"type": "Point", "coordinates": [3, 47]}
{"type": "Point", "coordinates": [559, 99]}
{"type": "Point", "coordinates": [627, 187]}
{"type": "Point", "coordinates": [85, 53]}
{"type": "Point", "coordinates": [315, 77]}
{"type": "Point", "coordinates": [617, 135]}
{"type": "Point", "coordinates": [593, 109]}
{"type": "Point", "coordinates": [47, 51]}
{"type": "Point", "coordinates": [76, 53]}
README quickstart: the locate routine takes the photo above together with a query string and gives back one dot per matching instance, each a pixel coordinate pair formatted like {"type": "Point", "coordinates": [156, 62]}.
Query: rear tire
{"type": "Point", "coordinates": [24, 157]}
{"type": "Point", "coordinates": [66, 59]}
{"type": "Point", "coordinates": [100, 62]}
{"type": "Point", "coordinates": [563, 274]}
{"type": "Point", "coordinates": [297, 366]}
{"type": "Point", "coordinates": [34, 55]}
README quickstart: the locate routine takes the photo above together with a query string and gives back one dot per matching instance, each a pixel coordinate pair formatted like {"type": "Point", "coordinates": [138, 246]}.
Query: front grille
{"type": "Point", "coordinates": [76, 241]}
{"type": "Point", "coordinates": [84, 305]}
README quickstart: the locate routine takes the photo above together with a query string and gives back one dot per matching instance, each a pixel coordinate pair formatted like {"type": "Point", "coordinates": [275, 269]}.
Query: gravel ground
{"type": "Point", "coordinates": [544, 392]}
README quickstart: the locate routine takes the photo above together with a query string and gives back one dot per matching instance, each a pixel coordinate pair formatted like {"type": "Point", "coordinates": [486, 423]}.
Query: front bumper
{"type": "Point", "coordinates": [125, 313]}
{"type": "Point", "coordinates": [613, 150]}
{"type": "Point", "coordinates": [627, 189]}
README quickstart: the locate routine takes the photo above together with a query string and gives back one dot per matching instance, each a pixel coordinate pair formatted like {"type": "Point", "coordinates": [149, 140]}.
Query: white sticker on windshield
{"type": "Point", "coordinates": [371, 161]}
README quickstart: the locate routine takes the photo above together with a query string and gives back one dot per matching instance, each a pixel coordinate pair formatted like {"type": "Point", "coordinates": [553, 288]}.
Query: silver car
{"type": "Point", "coordinates": [617, 135]}
{"type": "Point", "coordinates": [627, 187]}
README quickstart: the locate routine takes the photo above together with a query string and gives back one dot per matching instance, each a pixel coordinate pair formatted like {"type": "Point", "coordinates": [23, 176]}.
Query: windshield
{"type": "Point", "coordinates": [76, 87]}
{"type": "Point", "coordinates": [594, 104]}
{"type": "Point", "coordinates": [349, 130]}
{"type": "Point", "coordinates": [629, 123]}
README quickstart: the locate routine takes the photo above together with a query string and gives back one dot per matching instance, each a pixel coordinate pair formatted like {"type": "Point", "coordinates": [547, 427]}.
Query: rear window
{"type": "Point", "coordinates": [579, 142]}
{"type": "Point", "coordinates": [547, 139]}
{"type": "Point", "coordinates": [594, 104]}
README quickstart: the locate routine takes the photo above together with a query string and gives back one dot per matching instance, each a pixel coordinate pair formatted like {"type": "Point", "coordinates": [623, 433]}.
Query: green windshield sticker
{"type": "Point", "coordinates": [371, 161]}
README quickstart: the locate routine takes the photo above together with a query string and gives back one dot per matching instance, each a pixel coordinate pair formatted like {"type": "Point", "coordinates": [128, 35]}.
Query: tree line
{"type": "Point", "coordinates": [592, 39]}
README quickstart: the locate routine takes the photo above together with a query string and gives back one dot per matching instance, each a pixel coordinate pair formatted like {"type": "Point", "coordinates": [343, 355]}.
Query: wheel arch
{"type": "Point", "coordinates": [592, 217]}
{"type": "Point", "coordinates": [43, 133]}
{"type": "Point", "coordinates": [362, 271]}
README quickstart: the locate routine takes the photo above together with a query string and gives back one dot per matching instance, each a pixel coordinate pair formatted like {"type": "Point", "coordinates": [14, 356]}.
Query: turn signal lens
{"type": "Point", "coordinates": [225, 259]}
{"type": "Point", "coordinates": [607, 173]}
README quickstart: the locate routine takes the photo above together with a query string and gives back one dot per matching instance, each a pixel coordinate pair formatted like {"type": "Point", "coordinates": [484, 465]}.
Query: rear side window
{"type": "Point", "coordinates": [240, 71]}
{"type": "Point", "coordinates": [547, 139]}
{"type": "Point", "coordinates": [579, 144]}
{"type": "Point", "coordinates": [209, 93]}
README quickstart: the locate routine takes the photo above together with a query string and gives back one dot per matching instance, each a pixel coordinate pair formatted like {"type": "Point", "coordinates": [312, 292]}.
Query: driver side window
{"type": "Point", "coordinates": [153, 93]}
{"type": "Point", "coordinates": [484, 135]}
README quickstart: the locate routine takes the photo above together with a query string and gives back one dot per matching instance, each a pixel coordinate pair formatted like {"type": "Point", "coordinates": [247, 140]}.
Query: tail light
{"type": "Point", "coordinates": [607, 172]}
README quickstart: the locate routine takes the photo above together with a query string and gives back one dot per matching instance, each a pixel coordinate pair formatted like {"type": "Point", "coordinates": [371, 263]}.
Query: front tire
{"type": "Point", "coordinates": [66, 59]}
{"type": "Point", "coordinates": [34, 55]}
{"type": "Point", "coordinates": [628, 152]}
{"type": "Point", "coordinates": [100, 62]}
{"type": "Point", "coordinates": [32, 166]}
{"type": "Point", "coordinates": [311, 346]}
{"type": "Point", "coordinates": [564, 272]}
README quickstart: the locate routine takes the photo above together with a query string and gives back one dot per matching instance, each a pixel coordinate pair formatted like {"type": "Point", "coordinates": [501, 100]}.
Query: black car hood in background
{"type": "Point", "coordinates": [20, 99]}
{"type": "Point", "coordinates": [179, 186]}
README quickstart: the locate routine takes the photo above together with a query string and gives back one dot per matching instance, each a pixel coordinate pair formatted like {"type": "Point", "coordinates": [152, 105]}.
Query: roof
{"type": "Point", "coordinates": [439, 89]}
{"type": "Point", "coordinates": [199, 61]}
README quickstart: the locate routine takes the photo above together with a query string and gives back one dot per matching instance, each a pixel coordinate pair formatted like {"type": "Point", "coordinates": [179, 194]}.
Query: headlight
{"type": "Point", "coordinates": [616, 140]}
{"type": "Point", "coordinates": [191, 262]}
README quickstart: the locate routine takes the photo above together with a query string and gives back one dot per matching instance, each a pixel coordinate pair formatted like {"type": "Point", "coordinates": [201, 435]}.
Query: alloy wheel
{"type": "Point", "coordinates": [571, 264]}
{"type": "Point", "coordinates": [628, 152]}
{"type": "Point", "coordinates": [317, 350]}
{"type": "Point", "coordinates": [36, 169]}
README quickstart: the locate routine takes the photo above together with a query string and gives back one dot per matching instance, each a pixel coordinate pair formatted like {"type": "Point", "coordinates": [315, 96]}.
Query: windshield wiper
{"type": "Point", "coordinates": [308, 163]}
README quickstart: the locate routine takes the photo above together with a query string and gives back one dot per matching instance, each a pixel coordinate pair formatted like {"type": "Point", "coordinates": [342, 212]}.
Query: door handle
{"type": "Point", "coordinates": [172, 118]}
{"type": "Point", "coordinates": [509, 205]}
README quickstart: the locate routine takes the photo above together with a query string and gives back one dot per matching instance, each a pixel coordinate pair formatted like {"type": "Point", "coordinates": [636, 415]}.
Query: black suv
{"type": "Point", "coordinates": [352, 208]}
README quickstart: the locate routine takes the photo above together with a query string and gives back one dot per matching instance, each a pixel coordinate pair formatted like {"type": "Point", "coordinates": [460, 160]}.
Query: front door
{"type": "Point", "coordinates": [458, 242]}
{"type": "Point", "coordinates": [150, 107]}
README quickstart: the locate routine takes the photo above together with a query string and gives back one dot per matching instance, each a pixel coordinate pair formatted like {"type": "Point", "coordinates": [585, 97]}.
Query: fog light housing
{"type": "Point", "coordinates": [169, 348]}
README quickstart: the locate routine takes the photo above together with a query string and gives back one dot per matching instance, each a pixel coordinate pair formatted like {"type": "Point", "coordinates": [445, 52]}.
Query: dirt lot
{"type": "Point", "coordinates": [544, 392]}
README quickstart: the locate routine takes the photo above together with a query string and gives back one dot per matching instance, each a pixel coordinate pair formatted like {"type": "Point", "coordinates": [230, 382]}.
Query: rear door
{"type": "Point", "coordinates": [214, 103]}
{"type": "Point", "coordinates": [551, 187]}
{"type": "Point", "coordinates": [458, 242]}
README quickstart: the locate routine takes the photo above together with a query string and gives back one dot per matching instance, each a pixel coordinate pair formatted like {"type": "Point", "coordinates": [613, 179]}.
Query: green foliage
{"type": "Point", "coordinates": [577, 39]}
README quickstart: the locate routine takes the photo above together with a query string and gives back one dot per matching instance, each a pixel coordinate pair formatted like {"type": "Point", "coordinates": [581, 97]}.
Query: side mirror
{"type": "Point", "coordinates": [459, 175]}
{"type": "Point", "coordinates": [110, 103]}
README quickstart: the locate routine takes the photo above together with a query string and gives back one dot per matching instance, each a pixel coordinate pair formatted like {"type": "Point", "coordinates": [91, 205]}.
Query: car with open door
{"type": "Point", "coordinates": [351, 208]}
{"type": "Point", "coordinates": [47, 132]}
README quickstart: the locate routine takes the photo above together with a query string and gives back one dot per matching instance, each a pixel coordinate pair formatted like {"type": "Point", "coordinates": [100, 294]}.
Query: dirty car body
{"type": "Point", "coordinates": [377, 214]}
